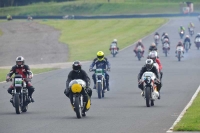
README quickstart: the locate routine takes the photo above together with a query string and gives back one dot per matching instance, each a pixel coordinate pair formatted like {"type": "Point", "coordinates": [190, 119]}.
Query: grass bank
{"type": "Point", "coordinates": [85, 37]}
{"type": "Point", "coordinates": [4, 72]}
{"type": "Point", "coordinates": [98, 7]}
{"type": "Point", "coordinates": [191, 119]}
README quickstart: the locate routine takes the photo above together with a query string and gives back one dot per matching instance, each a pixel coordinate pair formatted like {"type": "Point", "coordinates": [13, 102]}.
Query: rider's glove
{"type": "Point", "coordinates": [108, 69]}
{"type": "Point", "coordinates": [30, 76]}
{"type": "Point", "coordinates": [7, 79]}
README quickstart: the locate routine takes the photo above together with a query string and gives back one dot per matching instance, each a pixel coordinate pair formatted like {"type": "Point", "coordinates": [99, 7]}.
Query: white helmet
{"type": "Point", "coordinates": [187, 36]}
{"type": "Point", "coordinates": [114, 40]}
{"type": "Point", "coordinates": [20, 59]}
{"type": "Point", "coordinates": [149, 64]}
{"type": "Point", "coordinates": [153, 55]}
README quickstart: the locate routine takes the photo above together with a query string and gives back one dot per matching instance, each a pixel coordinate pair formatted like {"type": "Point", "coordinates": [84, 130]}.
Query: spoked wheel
{"type": "Point", "coordinates": [99, 89]}
{"type": "Point", "coordinates": [148, 96]}
{"type": "Point", "coordinates": [77, 108]}
{"type": "Point", "coordinates": [17, 104]}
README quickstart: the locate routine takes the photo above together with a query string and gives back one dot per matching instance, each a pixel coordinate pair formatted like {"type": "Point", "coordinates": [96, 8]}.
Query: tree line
{"type": "Point", "coordinates": [6, 3]}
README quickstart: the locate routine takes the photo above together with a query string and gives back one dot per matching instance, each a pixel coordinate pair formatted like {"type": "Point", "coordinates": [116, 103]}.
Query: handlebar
{"type": "Point", "coordinates": [92, 70]}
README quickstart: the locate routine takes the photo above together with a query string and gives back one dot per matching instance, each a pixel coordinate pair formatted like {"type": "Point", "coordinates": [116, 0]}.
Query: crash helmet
{"type": "Point", "coordinates": [76, 66]}
{"type": "Point", "coordinates": [20, 61]}
{"type": "Point", "coordinates": [100, 55]}
{"type": "Point", "coordinates": [149, 64]}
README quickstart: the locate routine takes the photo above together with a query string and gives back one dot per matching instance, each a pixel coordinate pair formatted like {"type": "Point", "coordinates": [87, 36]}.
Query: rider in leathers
{"type": "Point", "coordinates": [153, 47]}
{"type": "Point", "coordinates": [139, 44]}
{"type": "Point", "coordinates": [187, 39]}
{"type": "Point", "coordinates": [149, 67]}
{"type": "Point", "coordinates": [24, 70]}
{"type": "Point", "coordinates": [78, 73]}
{"type": "Point", "coordinates": [101, 62]}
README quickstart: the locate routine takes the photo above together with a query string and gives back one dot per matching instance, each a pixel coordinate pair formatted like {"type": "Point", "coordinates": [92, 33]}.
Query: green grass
{"type": "Point", "coordinates": [85, 37]}
{"type": "Point", "coordinates": [191, 119]}
{"type": "Point", "coordinates": [97, 7]}
{"type": "Point", "coordinates": [4, 72]}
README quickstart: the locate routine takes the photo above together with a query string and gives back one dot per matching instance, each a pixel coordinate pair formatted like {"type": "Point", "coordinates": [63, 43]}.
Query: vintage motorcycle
{"type": "Point", "coordinates": [187, 45]}
{"type": "Point", "coordinates": [79, 106]}
{"type": "Point", "coordinates": [156, 39]}
{"type": "Point", "coordinates": [113, 49]}
{"type": "Point", "coordinates": [179, 51]}
{"type": "Point", "coordinates": [181, 34]}
{"type": "Point", "coordinates": [139, 51]}
{"type": "Point", "coordinates": [100, 82]}
{"type": "Point", "coordinates": [20, 94]}
{"type": "Point", "coordinates": [166, 48]}
{"type": "Point", "coordinates": [191, 31]}
{"type": "Point", "coordinates": [150, 89]}
{"type": "Point", "coordinates": [197, 42]}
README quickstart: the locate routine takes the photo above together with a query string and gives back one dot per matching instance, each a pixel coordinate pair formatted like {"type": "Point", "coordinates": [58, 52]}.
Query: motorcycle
{"type": "Point", "coordinates": [181, 34]}
{"type": "Point", "coordinates": [139, 52]}
{"type": "Point", "coordinates": [187, 45]}
{"type": "Point", "coordinates": [100, 82]}
{"type": "Point", "coordinates": [197, 42]}
{"type": "Point", "coordinates": [20, 94]}
{"type": "Point", "coordinates": [179, 51]}
{"type": "Point", "coordinates": [150, 89]}
{"type": "Point", "coordinates": [191, 31]}
{"type": "Point", "coordinates": [113, 49]}
{"type": "Point", "coordinates": [79, 106]}
{"type": "Point", "coordinates": [166, 48]}
{"type": "Point", "coordinates": [156, 38]}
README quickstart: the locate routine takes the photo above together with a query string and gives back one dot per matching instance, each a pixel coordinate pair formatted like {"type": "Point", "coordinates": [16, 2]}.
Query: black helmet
{"type": "Point", "coordinates": [149, 64]}
{"type": "Point", "coordinates": [18, 60]}
{"type": "Point", "coordinates": [76, 66]}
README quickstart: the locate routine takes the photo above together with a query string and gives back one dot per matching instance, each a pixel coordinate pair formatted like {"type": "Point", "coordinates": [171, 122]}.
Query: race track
{"type": "Point", "coordinates": [123, 110]}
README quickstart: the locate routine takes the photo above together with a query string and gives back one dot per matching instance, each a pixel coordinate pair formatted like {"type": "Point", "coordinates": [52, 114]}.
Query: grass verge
{"type": "Point", "coordinates": [191, 119]}
{"type": "Point", "coordinates": [4, 72]}
{"type": "Point", "coordinates": [97, 7]}
{"type": "Point", "coordinates": [85, 37]}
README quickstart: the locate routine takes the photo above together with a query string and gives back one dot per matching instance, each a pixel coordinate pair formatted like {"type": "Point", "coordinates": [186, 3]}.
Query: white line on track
{"type": "Point", "coordinates": [184, 110]}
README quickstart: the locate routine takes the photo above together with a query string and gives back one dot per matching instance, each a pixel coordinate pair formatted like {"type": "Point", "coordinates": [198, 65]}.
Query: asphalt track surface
{"type": "Point", "coordinates": [123, 110]}
{"type": "Point", "coordinates": [37, 43]}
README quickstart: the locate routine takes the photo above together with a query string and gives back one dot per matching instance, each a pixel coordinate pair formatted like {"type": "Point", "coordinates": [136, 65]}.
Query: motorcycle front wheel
{"type": "Point", "coordinates": [148, 96]}
{"type": "Point", "coordinates": [77, 108]}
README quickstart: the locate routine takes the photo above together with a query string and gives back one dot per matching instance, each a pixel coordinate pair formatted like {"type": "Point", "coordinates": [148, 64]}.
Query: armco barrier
{"type": "Point", "coordinates": [107, 16]}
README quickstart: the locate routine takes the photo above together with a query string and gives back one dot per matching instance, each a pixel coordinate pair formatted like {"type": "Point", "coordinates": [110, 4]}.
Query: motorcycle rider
{"type": "Point", "coordinates": [153, 55]}
{"type": "Point", "coordinates": [24, 70]}
{"type": "Point", "coordinates": [191, 25]}
{"type": "Point", "coordinates": [187, 39]}
{"type": "Point", "coordinates": [78, 73]}
{"type": "Point", "coordinates": [153, 47]}
{"type": "Point", "coordinates": [101, 62]}
{"type": "Point", "coordinates": [181, 29]}
{"type": "Point", "coordinates": [114, 42]}
{"type": "Point", "coordinates": [157, 34]}
{"type": "Point", "coordinates": [149, 67]}
{"type": "Point", "coordinates": [179, 44]}
{"type": "Point", "coordinates": [139, 43]}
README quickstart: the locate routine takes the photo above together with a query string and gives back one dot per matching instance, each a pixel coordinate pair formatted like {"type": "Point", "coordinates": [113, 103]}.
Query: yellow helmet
{"type": "Point", "coordinates": [100, 55]}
